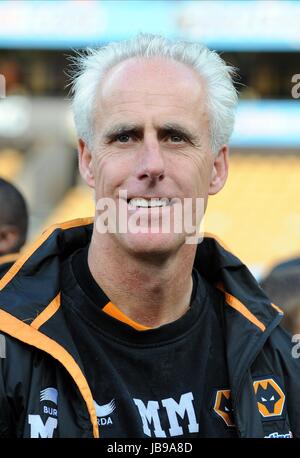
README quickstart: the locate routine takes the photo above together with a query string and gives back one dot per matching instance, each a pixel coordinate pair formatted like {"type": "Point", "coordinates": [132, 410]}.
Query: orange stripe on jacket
{"type": "Point", "coordinates": [277, 308]}
{"type": "Point", "coordinates": [47, 313]}
{"type": "Point", "coordinates": [21, 261]}
{"type": "Point", "coordinates": [27, 334]}
{"type": "Point", "coordinates": [241, 308]}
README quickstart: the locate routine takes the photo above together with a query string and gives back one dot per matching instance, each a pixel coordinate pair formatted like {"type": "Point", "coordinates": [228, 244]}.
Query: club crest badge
{"type": "Point", "coordinates": [270, 397]}
{"type": "Point", "coordinates": [223, 406]}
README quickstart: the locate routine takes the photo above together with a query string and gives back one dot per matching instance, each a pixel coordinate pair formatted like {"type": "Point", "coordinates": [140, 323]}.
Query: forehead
{"type": "Point", "coordinates": [151, 85]}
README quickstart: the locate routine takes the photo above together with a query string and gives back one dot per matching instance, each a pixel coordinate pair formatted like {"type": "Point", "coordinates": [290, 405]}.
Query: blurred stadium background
{"type": "Point", "coordinates": [258, 213]}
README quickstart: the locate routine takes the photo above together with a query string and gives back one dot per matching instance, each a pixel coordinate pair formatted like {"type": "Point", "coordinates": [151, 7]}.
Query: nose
{"type": "Point", "coordinates": [151, 162]}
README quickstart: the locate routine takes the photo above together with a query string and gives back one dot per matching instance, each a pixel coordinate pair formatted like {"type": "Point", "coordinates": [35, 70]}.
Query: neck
{"type": "Point", "coordinates": [150, 290]}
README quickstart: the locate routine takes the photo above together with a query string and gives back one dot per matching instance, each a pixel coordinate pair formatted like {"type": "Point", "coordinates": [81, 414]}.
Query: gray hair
{"type": "Point", "coordinates": [90, 66]}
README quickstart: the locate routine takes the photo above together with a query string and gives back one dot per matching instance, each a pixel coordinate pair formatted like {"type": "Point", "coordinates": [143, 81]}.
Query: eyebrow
{"type": "Point", "coordinates": [138, 131]}
{"type": "Point", "coordinates": [175, 128]}
{"type": "Point", "coordinates": [122, 129]}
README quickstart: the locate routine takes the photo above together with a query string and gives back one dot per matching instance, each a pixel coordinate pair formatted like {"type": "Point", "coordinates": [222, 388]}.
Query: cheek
{"type": "Point", "coordinates": [204, 165]}
{"type": "Point", "coordinates": [110, 171]}
{"type": "Point", "coordinates": [195, 174]}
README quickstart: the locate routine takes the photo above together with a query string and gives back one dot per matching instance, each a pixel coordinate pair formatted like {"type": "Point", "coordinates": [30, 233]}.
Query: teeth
{"type": "Point", "coordinates": [145, 203]}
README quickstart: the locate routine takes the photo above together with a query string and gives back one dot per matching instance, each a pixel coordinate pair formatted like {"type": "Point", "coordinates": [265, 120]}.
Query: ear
{"type": "Point", "coordinates": [9, 238]}
{"type": "Point", "coordinates": [85, 161]}
{"type": "Point", "coordinates": [220, 171]}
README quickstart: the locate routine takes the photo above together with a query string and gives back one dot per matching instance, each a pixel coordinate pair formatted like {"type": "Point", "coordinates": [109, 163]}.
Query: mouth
{"type": "Point", "coordinates": [145, 202]}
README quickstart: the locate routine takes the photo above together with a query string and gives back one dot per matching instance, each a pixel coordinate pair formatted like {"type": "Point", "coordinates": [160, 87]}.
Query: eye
{"type": "Point", "coordinates": [123, 138]}
{"type": "Point", "coordinates": [176, 138]}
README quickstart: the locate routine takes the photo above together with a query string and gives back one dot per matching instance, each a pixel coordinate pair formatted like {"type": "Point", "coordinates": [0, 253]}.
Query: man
{"type": "Point", "coordinates": [13, 224]}
{"type": "Point", "coordinates": [144, 333]}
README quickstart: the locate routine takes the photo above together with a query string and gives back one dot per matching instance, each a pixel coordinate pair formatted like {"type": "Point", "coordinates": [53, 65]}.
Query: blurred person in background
{"type": "Point", "coordinates": [282, 286]}
{"type": "Point", "coordinates": [14, 81]}
{"type": "Point", "coordinates": [282, 266]}
{"type": "Point", "coordinates": [13, 224]}
{"type": "Point", "coordinates": [140, 334]}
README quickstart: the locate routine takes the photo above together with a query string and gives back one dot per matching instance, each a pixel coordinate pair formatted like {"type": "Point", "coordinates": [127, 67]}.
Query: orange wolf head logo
{"type": "Point", "coordinates": [223, 406]}
{"type": "Point", "coordinates": [270, 397]}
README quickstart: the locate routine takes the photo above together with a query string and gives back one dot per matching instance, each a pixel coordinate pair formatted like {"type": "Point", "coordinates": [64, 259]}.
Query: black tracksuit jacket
{"type": "Point", "coordinates": [262, 360]}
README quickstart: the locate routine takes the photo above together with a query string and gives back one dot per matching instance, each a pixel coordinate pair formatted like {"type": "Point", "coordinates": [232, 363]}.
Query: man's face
{"type": "Point", "coordinates": [151, 138]}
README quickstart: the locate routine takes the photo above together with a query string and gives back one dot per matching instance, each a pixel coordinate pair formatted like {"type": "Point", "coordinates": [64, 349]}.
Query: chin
{"type": "Point", "coordinates": [152, 244]}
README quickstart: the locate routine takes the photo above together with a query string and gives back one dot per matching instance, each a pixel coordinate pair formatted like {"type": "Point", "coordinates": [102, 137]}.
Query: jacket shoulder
{"type": "Point", "coordinates": [279, 360]}
{"type": "Point", "coordinates": [282, 350]}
